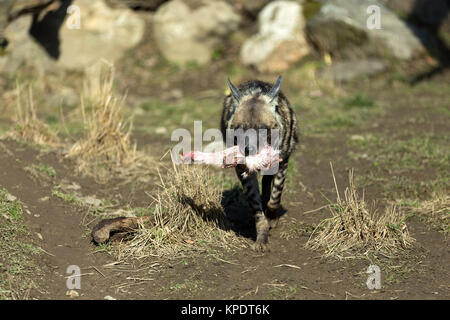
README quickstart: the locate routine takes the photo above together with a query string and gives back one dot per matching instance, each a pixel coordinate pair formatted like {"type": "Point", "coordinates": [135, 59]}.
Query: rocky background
{"type": "Point", "coordinates": [270, 36]}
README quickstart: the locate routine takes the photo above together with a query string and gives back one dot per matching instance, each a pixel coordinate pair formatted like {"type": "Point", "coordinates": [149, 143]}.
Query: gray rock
{"type": "Point", "coordinates": [186, 33]}
{"type": "Point", "coordinates": [11, 9]}
{"type": "Point", "coordinates": [340, 28]}
{"type": "Point", "coordinates": [23, 50]}
{"type": "Point", "coordinates": [4, 13]}
{"type": "Point", "coordinates": [348, 70]}
{"type": "Point", "coordinates": [280, 41]}
{"type": "Point", "coordinates": [53, 45]}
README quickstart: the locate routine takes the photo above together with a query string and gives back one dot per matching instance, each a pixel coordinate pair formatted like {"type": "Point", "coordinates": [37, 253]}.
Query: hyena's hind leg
{"type": "Point", "coordinates": [251, 192]}
{"type": "Point", "coordinates": [272, 190]}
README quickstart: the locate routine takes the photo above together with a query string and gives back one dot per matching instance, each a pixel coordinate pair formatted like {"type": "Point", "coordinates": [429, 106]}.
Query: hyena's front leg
{"type": "Point", "coordinates": [275, 189]}
{"type": "Point", "coordinates": [251, 191]}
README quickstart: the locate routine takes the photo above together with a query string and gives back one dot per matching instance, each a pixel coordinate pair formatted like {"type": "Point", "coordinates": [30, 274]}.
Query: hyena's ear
{"type": "Point", "coordinates": [275, 89]}
{"type": "Point", "coordinates": [234, 91]}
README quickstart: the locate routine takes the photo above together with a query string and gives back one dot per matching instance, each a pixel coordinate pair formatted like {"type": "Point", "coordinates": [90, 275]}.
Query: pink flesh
{"type": "Point", "coordinates": [231, 157]}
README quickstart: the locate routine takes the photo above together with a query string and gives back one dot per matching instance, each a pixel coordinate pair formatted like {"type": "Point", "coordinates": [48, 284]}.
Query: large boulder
{"type": "Point", "coordinates": [11, 9]}
{"type": "Point", "coordinates": [280, 41]}
{"type": "Point", "coordinates": [4, 12]}
{"type": "Point", "coordinates": [343, 71]}
{"type": "Point", "coordinates": [190, 31]}
{"type": "Point", "coordinates": [341, 28]}
{"type": "Point", "coordinates": [52, 41]}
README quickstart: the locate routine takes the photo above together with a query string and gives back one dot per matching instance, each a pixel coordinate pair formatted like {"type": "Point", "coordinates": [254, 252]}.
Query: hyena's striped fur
{"type": "Point", "coordinates": [259, 105]}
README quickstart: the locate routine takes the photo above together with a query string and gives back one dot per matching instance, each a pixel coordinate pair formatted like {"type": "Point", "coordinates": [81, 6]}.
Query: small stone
{"type": "Point", "coordinates": [10, 197]}
{"type": "Point", "coordinates": [72, 293]}
{"type": "Point", "coordinates": [357, 137]}
{"type": "Point", "coordinates": [92, 201]}
{"type": "Point", "coordinates": [39, 236]}
{"type": "Point", "coordinates": [315, 94]}
{"type": "Point", "coordinates": [161, 130]}
{"type": "Point", "coordinates": [73, 186]}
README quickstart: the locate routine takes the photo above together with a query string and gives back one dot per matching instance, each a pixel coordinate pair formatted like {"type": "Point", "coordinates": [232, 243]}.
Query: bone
{"type": "Point", "coordinates": [231, 157]}
{"type": "Point", "coordinates": [116, 228]}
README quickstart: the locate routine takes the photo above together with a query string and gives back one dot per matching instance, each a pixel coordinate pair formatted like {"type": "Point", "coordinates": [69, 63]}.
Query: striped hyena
{"type": "Point", "coordinates": [260, 106]}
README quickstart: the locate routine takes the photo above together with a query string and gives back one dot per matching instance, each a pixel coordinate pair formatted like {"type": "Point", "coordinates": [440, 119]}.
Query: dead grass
{"type": "Point", "coordinates": [356, 229]}
{"type": "Point", "coordinates": [106, 147]}
{"type": "Point", "coordinates": [187, 216]}
{"type": "Point", "coordinates": [28, 127]}
{"type": "Point", "coordinates": [435, 211]}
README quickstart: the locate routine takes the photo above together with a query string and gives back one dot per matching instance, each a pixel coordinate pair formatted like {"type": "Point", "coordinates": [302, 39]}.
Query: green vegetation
{"type": "Point", "coordinates": [282, 291]}
{"type": "Point", "coordinates": [17, 254]}
{"type": "Point", "coordinates": [358, 101]}
{"type": "Point", "coordinates": [143, 211]}
{"type": "Point", "coordinates": [47, 169]}
{"type": "Point", "coordinates": [331, 113]}
{"type": "Point", "coordinates": [67, 197]}
{"type": "Point", "coordinates": [178, 115]}
{"type": "Point", "coordinates": [425, 158]}
{"type": "Point", "coordinates": [189, 286]}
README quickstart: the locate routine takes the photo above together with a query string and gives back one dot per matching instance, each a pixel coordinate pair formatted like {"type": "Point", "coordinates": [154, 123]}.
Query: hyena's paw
{"type": "Point", "coordinates": [262, 232]}
{"type": "Point", "coordinates": [273, 223]}
{"type": "Point", "coordinates": [262, 243]}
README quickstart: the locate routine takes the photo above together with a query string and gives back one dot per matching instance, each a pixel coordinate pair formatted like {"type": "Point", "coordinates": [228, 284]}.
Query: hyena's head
{"type": "Point", "coordinates": [255, 120]}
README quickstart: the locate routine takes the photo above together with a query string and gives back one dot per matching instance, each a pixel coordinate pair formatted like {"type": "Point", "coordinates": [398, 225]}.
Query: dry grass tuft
{"type": "Point", "coordinates": [187, 216]}
{"type": "Point", "coordinates": [435, 211]}
{"type": "Point", "coordinates": [106, 146]}
{"type": "Point", "coordinates": [355, 229]}
{"type": "Point", "coordinates": [28, 127]}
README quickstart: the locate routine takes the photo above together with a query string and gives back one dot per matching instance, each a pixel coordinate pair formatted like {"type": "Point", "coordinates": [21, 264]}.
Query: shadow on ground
{"type": "Point", "coordinates": [238, 213]}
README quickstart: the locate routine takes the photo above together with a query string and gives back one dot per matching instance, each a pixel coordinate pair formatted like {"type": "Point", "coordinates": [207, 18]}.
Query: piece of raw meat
{"type": "Point", "coordinates": [231, 157]}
